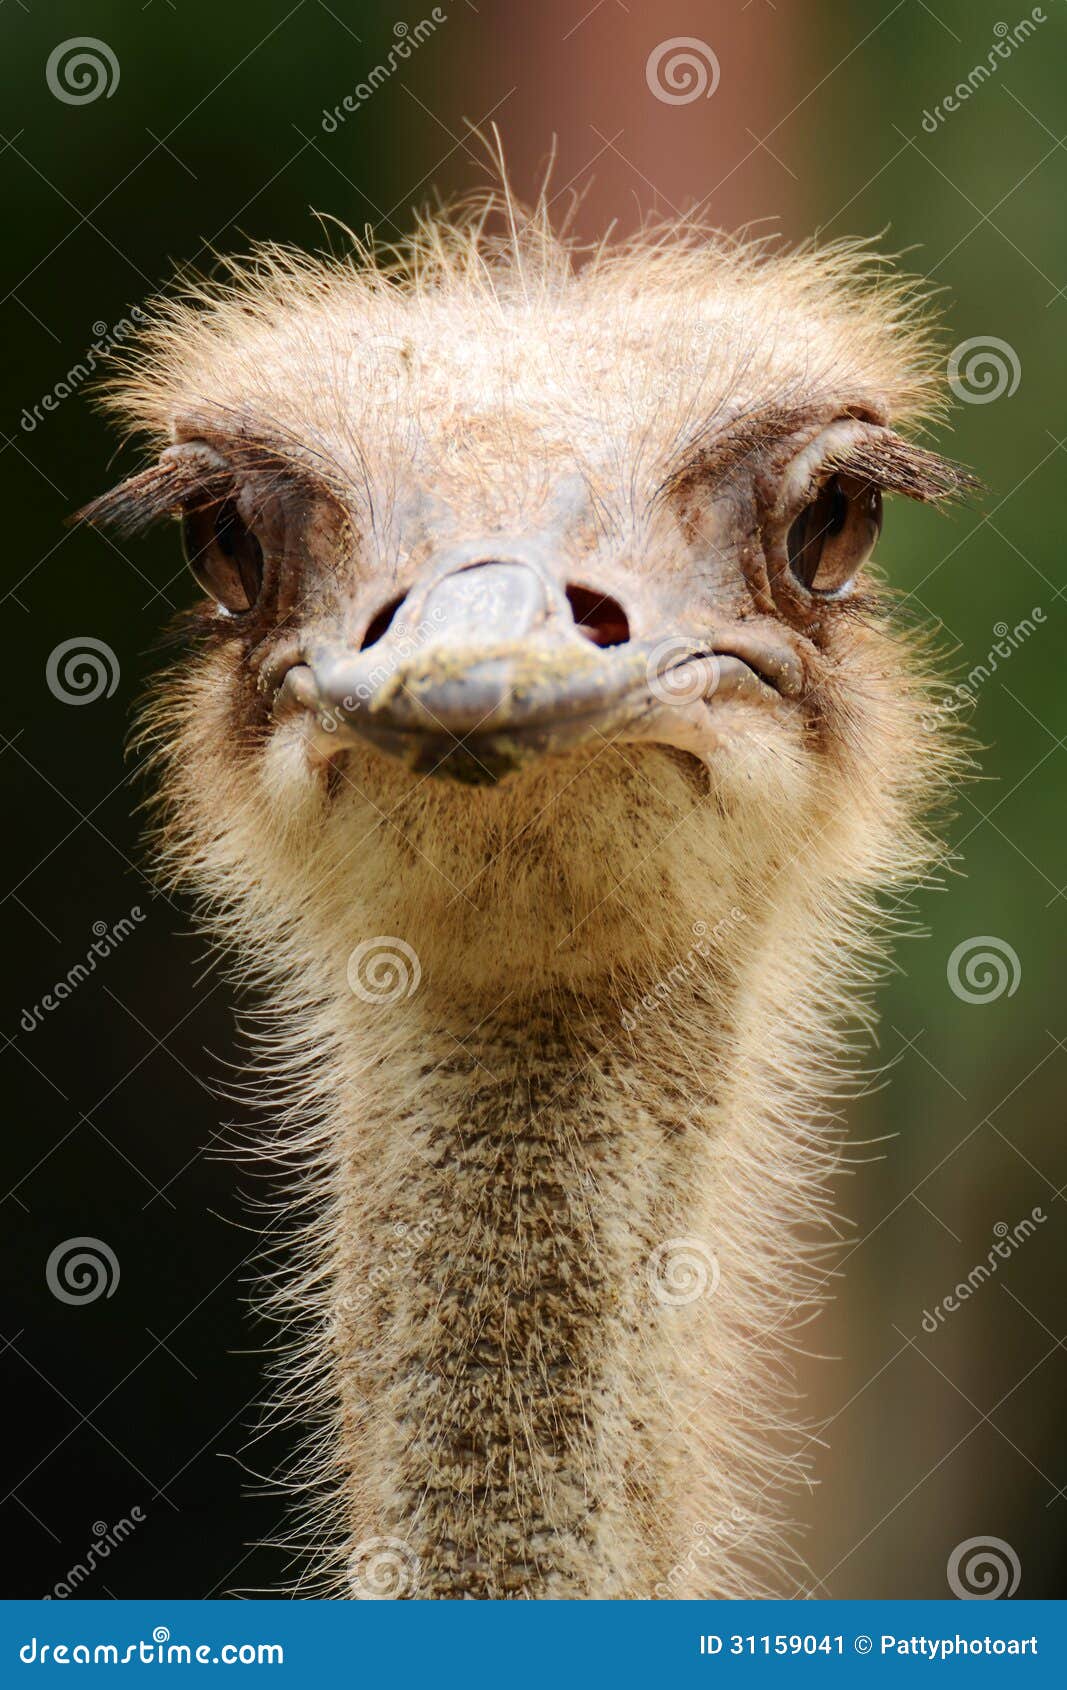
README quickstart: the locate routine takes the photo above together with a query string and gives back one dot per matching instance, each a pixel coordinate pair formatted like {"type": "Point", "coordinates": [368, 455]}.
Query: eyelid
{"type": "Point", "coordinates": [201, 476]}
{"type": "Point", "coordinates": [834, 448]}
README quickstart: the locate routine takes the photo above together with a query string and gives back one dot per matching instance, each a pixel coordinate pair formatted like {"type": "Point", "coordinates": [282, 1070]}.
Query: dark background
{"type": "Point", "coordinates": [213, 138]}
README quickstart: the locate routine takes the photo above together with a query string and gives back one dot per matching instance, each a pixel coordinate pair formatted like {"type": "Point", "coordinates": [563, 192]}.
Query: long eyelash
{"type": "Point", "coordinates": [175, 484]}
{"type": "Point", "coordinates": [193, 474]}
{"type": "Point", "coordinates": [897, 466]}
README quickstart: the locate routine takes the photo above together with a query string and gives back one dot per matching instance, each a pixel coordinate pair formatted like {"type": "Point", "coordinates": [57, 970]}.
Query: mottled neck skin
{"type": "Point", "coordinates": [531, 1306]}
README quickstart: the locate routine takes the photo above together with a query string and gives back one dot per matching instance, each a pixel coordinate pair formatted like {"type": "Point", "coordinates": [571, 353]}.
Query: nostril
{"type": "Point", "coordinates": [598, 616]}
{"type": "Point", "coordinates": [380, 623]}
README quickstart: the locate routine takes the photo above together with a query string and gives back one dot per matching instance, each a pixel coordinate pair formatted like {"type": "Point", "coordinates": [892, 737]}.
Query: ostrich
{"type": "Point", "coordinates": [544, 747]}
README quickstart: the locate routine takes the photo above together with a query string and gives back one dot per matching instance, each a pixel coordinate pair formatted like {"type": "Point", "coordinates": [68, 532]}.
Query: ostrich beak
{"type": "Point", "coordinates": [486, 666]}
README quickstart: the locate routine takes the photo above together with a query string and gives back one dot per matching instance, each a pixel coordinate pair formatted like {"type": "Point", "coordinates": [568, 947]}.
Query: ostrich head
{"type": "Point", "coordinates": [539, 616]}
{"type": "Point", "coordinates": [541, 648]}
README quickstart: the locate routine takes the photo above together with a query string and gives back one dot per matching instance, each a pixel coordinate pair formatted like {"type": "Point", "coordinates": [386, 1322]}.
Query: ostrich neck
{"type": "Point", "coordinates": [531, 1302]}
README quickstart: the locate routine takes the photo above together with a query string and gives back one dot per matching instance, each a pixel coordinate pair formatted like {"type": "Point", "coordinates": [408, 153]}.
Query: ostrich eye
{"type": "Point", "coordinates": [224, 555]}
{"type": "Point", "coordinates": [835, 535]}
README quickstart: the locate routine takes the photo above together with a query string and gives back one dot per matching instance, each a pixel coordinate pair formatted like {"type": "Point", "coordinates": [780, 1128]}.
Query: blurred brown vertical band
{"type": "Point", "coordinates": [582, 73]}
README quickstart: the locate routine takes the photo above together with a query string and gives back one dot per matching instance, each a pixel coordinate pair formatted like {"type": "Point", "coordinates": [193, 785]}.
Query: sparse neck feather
{"type": "Point", "coordinates": [548, 1264]}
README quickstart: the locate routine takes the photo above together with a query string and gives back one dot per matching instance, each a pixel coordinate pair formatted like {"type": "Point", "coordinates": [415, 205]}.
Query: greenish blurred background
{"type": "Point", "coordinates": [207, 132]}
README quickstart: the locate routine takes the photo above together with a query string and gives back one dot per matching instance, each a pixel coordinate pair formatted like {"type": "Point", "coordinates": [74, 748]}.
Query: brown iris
{"type": "Point", "coordinates": [224, 555]}
{"type": "Point", "coordinates": [835, 534]}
